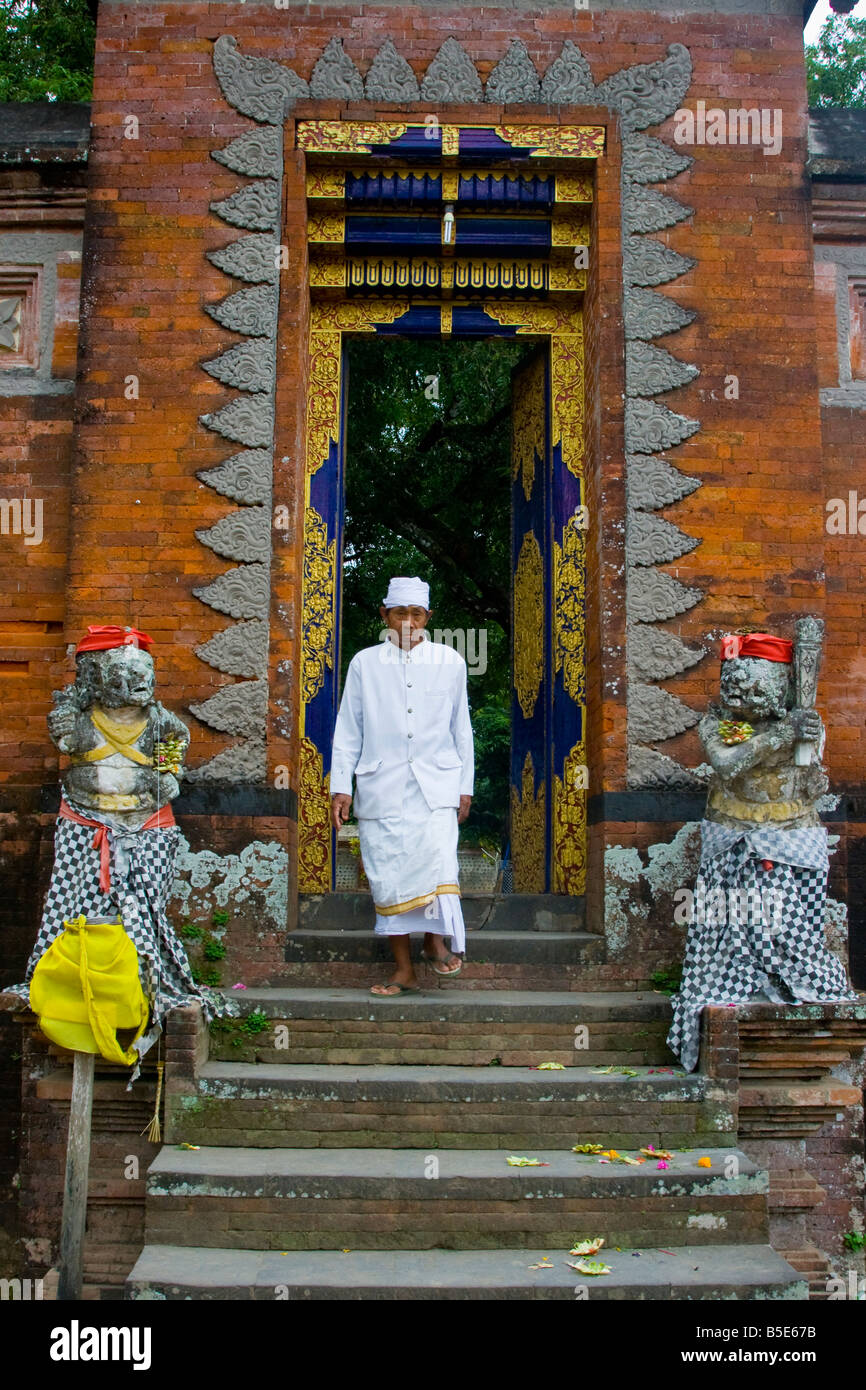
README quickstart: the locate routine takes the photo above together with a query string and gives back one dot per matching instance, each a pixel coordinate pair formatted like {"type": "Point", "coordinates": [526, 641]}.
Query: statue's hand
{"type": "Point", "coordinates": [61, 723]}
{"type": "Point", "coordinates": [806, 724]}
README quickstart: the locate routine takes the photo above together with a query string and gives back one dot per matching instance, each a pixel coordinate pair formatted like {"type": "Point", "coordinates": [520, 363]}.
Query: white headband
{"type": "Point", "coordinates": [403, 592]}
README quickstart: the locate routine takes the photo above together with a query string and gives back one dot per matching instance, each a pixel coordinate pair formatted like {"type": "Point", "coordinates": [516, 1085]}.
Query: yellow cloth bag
{"type": "Point", "coordinates": [86, 986]}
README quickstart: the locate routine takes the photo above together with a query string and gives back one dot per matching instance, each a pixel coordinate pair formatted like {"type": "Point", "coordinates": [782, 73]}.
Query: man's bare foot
{"type": "Point", "coordinates": [442, 961]}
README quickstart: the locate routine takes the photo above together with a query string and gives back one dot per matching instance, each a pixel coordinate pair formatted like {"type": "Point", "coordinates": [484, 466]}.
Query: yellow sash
{"type": "Point", "coordinates": [119, 738]}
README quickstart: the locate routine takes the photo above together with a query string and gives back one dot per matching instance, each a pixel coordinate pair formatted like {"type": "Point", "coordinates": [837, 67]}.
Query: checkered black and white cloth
{"type": "Point", "coordinates": [142, 873]}
{"type": "Point", "coordinates": [755, 929]}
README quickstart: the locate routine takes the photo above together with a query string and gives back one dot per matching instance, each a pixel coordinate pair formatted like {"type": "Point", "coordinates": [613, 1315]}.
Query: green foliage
{"type": "Point", "coordinates": [46, 50]}
{"type": "Point", "coordinates": [428, 492]}
{"type": "Point", "coordinates": [190, 932]}
{"type": "Point", "coordinates": [219, 918]}
{"type": "Point", "coordinates": [836, 64]}
{"type": "Point", "coordinates": [667, 981]}
{"type": "Point", "coordinates": [205, 976]}
{"type": "Point", "coordinates": [255, 1023]}
{"type": "Point", "coordinates": [854, 1241]}
{"type": "Point", "coordinates": [214, 949]}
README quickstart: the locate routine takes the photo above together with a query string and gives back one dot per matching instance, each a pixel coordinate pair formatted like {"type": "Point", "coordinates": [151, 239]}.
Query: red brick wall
{"type": "Point", "coordinates": [149, 228]}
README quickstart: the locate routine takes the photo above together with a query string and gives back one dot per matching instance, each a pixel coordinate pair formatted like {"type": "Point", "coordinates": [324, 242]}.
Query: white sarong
{"type": "Point", "coordinates": [411, 864]}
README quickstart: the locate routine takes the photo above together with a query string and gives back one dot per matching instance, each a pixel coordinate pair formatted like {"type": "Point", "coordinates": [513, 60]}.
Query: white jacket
{"type": "Point", "coordinates": [403, 714]}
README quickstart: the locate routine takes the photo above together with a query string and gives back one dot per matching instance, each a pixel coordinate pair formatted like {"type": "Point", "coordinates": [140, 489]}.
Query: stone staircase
{"type": "Point", "coordinates": [355, 1147]}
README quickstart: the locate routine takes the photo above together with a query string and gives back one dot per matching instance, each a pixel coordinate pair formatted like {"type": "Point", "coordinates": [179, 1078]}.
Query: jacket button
{"type": "Point", "coordinates": [409, 710]}
{"type": "Point", "coordinates": [410, 735]}
{"type": "Point", "coordinates": [410, 760]}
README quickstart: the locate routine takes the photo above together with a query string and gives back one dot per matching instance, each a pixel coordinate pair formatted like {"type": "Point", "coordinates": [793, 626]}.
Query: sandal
{"type": "Point", "coordinates": [378, 991]}
{"type": "Point", "coordinates": [444, 974]}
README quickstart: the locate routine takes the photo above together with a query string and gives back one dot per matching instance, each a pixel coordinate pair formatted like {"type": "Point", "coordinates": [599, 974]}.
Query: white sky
{"type": "Point", "coordinates": [819, 16]}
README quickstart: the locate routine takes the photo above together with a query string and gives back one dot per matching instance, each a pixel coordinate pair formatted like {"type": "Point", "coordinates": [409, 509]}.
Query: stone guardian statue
{"type": "Point", "coordinates": [757, 925]}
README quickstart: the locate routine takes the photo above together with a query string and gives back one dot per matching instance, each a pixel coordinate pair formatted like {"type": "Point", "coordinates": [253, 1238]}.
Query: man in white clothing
{"type": "Point", "coordinates": [403, 732]}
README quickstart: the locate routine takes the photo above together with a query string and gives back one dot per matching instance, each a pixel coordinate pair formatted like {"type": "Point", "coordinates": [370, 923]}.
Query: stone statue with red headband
{"type": "Point", "coordinates": [757, 923]}
{"type": "Point", "coordinates": [116, 840]}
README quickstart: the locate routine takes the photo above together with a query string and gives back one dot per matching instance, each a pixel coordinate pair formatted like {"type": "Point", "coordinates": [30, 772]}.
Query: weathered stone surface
{"type": "Point", "coordinates": [257, 206]}
{"type": "Point", "coordinates": [655, 654]}
{"type": "Point", "coordinates": [648, 315]}
{"type": "Point", "coordinates": [648, 93]}
{"type": "Point", "coordinates": [514, 78]}
{"type": "Point", "coordinates": [650, 427]}
{"type": "Point", "coordinates": [655, 714]}
{"type": "Point", "coordinates": [648, 210]}
{"type": "Point", "coordinates": [648, 160]}
{"type": "Point", "coordinates": [649, 768]}
{"type": "Point", "coordinates": [652, 596]}
{"type": "Point", "coordinates": [652, 482]}
{"type": "Point", "coordinates": [452, 76]}
{"type": "Point", "coordinates": [390, 77]}
{"type": "Point", "coordinates": [646, 262]}
{"type": "Point", "coordinates": [568, 79]}
{"type": "Point", "coordinates": [248, 420]}
{"type": "Point", "coordinates": [243, 762]}
{"type": "Point", "coordinates": [244, 535]}
{"type": "Point", "coordinates": [256, 87]}
{"type": "Point", "coordinates": [257, 153]}
{"type": "Point", "coordinates": [252, 258]}
{"type": "Point", "coordinates": [335, 75]}
{"type": "Point", "coordinates": [649, 370]}
{"type": "Point", "coordinates": [246, 477]}
{"type": "Point", "coordinates": [240, 650]}
{"type": "Point", "coordinates": [248, 366]}
{"type": "Point", "coordinates": [650, 540]}
{"type": "Point", "coordinates": [252, 311]}
{"type": "Point", "coordinates": [239, 709]}
{"type": "Point", "coordinates": [241, 593]}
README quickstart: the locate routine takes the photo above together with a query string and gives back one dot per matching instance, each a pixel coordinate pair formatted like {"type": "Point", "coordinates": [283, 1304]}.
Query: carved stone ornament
{"type": "Point", "coordinates": [239, 650]}
{"type": "Point", "coordinates": [650, 540]}
{"type": "Point", "coordinates": [335, 75]}
{"type": "Point", "coordinates": [256, 87]}
{"type": "Point", "coordinates": [253, 312]}
{"type": "Point", "coordinates": [651, 370]}
{"type": "Point", "coordinates": [254, 258]}
{"type": "Point", "coordinates": [652, 596]}
{"type": "Point", "coordinates": [243, 762]}
{"type": "Point", "coordinates": [257, 153]}
{"type": "Point", "coordinates": [390, 78]}
{"type": "Point", "coordinates": [452, 76]}
{"type": "Point", "coordinates": [650, 426]}
{"type": "Point", "coordinates": [656, 655]}
{"type": "Point", "coordinates": [248, 367]}
{"type": "Point", "coordinates": [244, 535]}
{"type": "Point", "coordinates": [236, 709]}
{"type": "Point", "coordinates": [244, 592]}
{"type": "Point", "coordinates": [643, 95]}
{"type": "Point", "coordinates": [245, 477]}
{"type": "Point", "coordinates": [248, 420]}
{"type": "Point", "coordinates": [514, 79]}
{"type": "Point", "coordinates": [646, 262]}
{"type": "Point", "coordinates": [257, 206]}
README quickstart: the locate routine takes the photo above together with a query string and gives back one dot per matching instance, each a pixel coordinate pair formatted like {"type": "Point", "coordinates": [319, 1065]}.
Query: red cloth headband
{"type": "Point", "coordinates": [102, 639]}
{"type": "Point", "coordinates": [757, 644]}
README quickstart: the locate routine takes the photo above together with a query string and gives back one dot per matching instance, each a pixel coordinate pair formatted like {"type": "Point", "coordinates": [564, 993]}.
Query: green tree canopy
{"type": "Point", "coordinates": [46, 50]}
{"type": "Point", "coordinates": [836, 64]}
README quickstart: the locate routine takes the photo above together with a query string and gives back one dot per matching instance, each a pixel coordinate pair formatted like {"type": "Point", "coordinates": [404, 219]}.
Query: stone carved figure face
{"type": "Point", "coordinates": [753, 688]}
{"type": "Point", "coordinates": [120, 676]}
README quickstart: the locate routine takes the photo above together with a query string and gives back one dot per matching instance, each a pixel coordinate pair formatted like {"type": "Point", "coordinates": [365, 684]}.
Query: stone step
{"type": "Point", "coordinates": [459, 1028]}
{"type": "Point", "coordinates": [404, 1199]}
{"type": "Point", "coordinates": [432, 1107]}
{"type": "Point", "coordinates": [544, 912]}
{"type": "Point", "coordinates": [695, 1272]}
{"type": "Point", "coordinates": [494, 960]}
